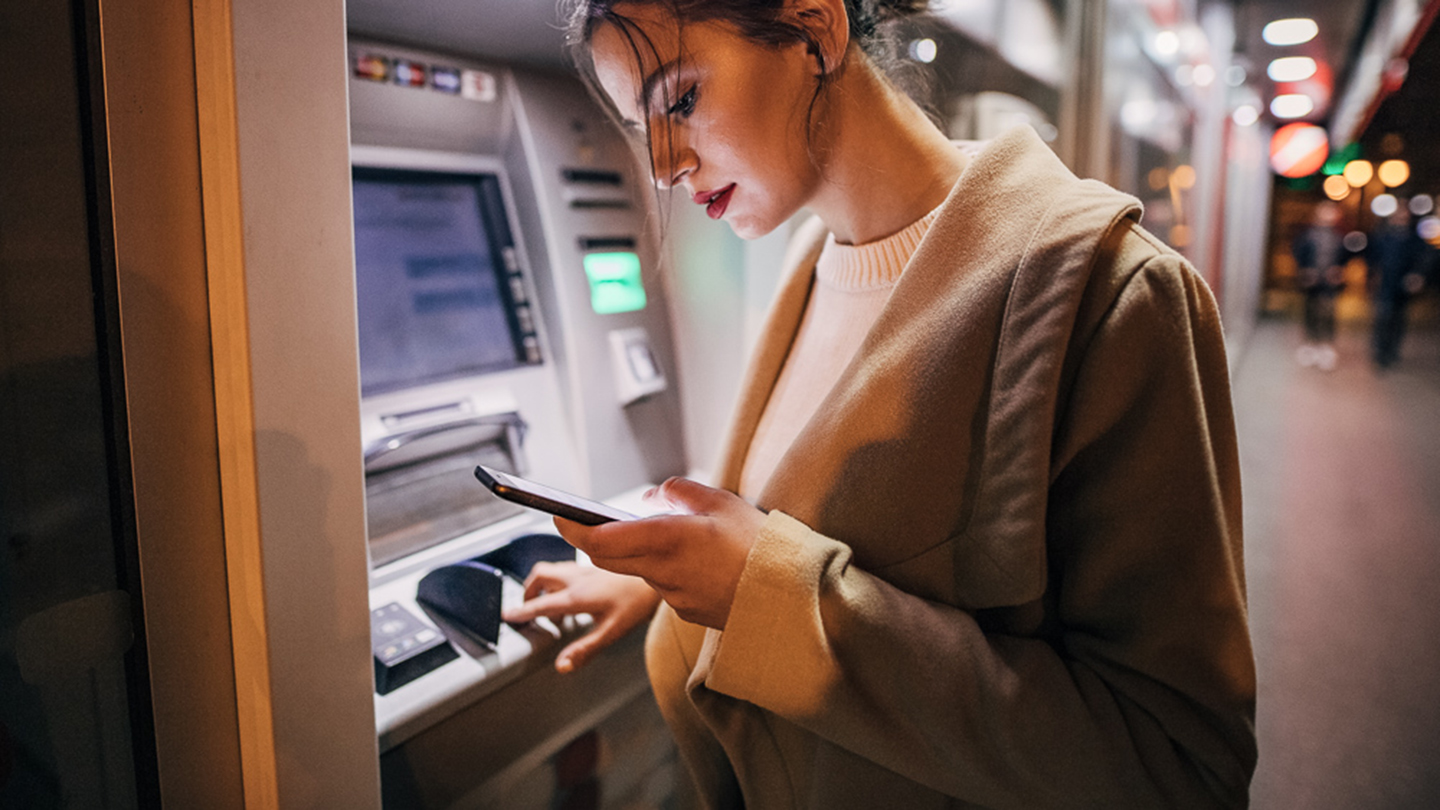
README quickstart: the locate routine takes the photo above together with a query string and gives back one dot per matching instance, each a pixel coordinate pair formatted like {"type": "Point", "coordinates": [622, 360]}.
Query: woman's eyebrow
{"type": "Point", "coordinates": [647, 88]}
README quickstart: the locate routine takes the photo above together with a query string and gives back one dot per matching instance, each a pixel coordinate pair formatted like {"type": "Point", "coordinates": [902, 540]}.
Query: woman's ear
{"type": "Point", "coordinates": [828, 26]}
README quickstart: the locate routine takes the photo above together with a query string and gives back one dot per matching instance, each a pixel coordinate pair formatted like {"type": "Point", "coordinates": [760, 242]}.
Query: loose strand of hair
{"type": "Point", "coordinates": [663, 205]}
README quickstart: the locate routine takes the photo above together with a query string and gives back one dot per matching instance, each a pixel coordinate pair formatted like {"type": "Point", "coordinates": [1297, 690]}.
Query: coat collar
{"type": "Point", "coordinates": [964, 360]}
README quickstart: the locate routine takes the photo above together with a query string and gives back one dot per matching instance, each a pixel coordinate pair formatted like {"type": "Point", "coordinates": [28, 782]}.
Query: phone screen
{"type": "Point", "coordinates": [548, 499]}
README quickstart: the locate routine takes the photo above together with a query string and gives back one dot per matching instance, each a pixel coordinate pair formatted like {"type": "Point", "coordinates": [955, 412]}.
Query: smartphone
{"type": "Point", "coordinates": [548, 499]}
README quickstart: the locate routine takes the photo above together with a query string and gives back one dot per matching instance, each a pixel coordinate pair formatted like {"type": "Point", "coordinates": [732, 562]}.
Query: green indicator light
{"type": "Point", "coordinates": [1338, 159]}
{"type": "Point", "coordinates": [614, 282]}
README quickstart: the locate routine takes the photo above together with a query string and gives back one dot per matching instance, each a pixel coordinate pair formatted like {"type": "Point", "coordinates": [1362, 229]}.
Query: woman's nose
{"type": "Point", "coordinates": [672, 162]}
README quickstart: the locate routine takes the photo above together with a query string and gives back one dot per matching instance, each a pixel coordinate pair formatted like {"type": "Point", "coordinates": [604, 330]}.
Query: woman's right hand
{"type": "Point", "coordinates": [617, 602]}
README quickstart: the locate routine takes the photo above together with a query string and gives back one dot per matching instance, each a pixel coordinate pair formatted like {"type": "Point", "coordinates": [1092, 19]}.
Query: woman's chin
{"type": "Point", "coordinates": [746, 228]}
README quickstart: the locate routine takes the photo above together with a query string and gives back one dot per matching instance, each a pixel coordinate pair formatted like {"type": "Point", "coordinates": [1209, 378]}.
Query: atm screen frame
{"type": "Point", "coordinates": [499, 224]}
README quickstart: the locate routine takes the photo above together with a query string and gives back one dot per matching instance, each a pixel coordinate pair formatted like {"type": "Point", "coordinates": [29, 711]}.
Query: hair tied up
{"type": "Point", "coordinates": [894, 9]}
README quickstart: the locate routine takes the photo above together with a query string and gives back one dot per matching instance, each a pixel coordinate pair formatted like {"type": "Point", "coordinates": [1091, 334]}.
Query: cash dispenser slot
{"type": "Point", "coordinates": [464, 598]}
{"type": "Point", "coordinates": [418, 485]}
{"type": "Point", "coordinates": [466, 595]}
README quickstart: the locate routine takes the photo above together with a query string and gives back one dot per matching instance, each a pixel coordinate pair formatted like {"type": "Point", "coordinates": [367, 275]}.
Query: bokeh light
{"type": "Point", "coordinates": [1384, 205]}
{"type": "Point", "coordinates": [1358, 173]}
{"type": "Point", "coordinates": [1422, 204]}
{"type": "Point", "coordinates": [1299, 150]}
{"type": "Point", "coordinates": [1429, 229]}
{"type": "Point", "coordinates": [1167, 43]}
{"type": "Point", "coordinates": [1246, 115]}
{"type": "Point", "coordinates": [1336, 188]}
{"type": "Point", "coordinates": [1355, 241]}
{"type": "Point", "coordinates": [924, 50]}
{"type": "Point", "coordinates": [1394, 173]}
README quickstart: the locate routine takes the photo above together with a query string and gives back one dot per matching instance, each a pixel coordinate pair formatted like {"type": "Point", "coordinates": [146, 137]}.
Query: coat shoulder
{"type": "Point", "coordinates": [1128, 251]}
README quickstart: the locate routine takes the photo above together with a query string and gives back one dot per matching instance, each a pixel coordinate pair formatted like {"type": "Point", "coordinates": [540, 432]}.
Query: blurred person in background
{"type": "Point", "coordinates": [1396, 259]}
{"type": "Point", "coordinates": [1320, 271]}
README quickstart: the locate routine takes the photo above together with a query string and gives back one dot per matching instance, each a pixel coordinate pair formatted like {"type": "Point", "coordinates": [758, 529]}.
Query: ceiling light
{"type": "Point", "coordinates": [1292, 105]}
{"type": "Point", "coordinates": [1246, 115]}
{"type": "Point", "coordinates": [1290, 32]}
{"type": "Point", "coordinates": [1291, 69]}
{"type": "Point", "coordinates": [1394, 173]}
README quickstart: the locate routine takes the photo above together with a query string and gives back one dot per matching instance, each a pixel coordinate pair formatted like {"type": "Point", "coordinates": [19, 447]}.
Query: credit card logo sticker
{"type": "Point", "coordinates": [373, 67]}
{"type": "Point", "coordinates": [411, 74]}
{"type": "Point", "coordinates": [477, 85]}
{"type": "Point", "coordinates": [446, 80]}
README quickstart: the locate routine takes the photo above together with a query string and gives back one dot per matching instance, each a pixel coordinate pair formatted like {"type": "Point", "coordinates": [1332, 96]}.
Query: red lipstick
{"type": "Point", "coordinates": [715, 202]}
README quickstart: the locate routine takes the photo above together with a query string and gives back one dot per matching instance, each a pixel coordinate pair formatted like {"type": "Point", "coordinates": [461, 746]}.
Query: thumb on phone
{"type": "Point", "coordinates": [689, 496]}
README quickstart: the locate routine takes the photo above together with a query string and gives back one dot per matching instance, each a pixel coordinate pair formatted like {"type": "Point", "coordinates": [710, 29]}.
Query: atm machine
{"type": "Point", "coordinates": [511, 313]}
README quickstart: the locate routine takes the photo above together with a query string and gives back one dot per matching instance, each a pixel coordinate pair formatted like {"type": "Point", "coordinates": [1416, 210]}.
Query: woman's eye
{"type": "Point", "coordinates": [685, 106]}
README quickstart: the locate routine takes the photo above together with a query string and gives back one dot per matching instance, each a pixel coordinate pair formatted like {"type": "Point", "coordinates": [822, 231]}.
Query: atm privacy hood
{"type": "Point", "coordinates": [526, 32]}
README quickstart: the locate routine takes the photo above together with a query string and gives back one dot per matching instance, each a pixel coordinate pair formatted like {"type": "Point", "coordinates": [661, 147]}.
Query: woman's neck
{"type": "Point", "coordinates": [885, 165]}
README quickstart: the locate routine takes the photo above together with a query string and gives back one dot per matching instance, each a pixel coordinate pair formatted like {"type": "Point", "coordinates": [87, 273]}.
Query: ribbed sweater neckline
{"type": "Point", "coordinates": [873, 265]}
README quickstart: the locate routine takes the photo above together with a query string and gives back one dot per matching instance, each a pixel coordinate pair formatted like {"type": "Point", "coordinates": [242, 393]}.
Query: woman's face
{"type": "Point", "coordinates": [726, 116]}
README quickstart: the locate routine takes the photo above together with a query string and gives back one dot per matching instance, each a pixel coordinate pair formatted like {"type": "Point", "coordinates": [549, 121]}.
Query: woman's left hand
{"type": "Point", "coordinates": [693, 559]}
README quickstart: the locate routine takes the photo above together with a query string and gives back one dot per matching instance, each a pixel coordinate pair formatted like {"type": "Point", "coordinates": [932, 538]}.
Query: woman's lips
{"type": "Point", "coordinates": [716, 202]}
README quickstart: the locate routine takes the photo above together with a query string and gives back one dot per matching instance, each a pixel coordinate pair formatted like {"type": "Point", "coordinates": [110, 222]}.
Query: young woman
{"type": "Point", "coordinates": [986, 545]}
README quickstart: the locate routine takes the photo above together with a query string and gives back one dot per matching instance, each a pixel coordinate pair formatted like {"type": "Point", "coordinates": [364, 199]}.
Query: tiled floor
{"type": "Point", "coordinates": [1342, 499]}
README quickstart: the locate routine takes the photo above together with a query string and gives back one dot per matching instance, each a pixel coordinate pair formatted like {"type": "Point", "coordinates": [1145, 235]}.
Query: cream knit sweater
{"type": "Point", "coordinates": [852, 285]}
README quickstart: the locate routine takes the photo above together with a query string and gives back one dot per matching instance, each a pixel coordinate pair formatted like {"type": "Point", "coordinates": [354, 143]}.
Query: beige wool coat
{"type": "Point", "coordinates": [1002, 563]}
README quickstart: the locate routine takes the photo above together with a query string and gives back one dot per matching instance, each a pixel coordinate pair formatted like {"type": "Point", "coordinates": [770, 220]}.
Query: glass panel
{"type": "Point", "coordinates": [65, 737]}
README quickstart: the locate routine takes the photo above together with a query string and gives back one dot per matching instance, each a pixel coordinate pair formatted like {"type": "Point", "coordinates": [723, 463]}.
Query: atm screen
{"type": "Point", "coordinates": [432, 283]}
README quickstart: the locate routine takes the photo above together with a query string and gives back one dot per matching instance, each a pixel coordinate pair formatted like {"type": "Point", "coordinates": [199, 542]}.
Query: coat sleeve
{"type": "Point", "coordinates": [1140, 692]}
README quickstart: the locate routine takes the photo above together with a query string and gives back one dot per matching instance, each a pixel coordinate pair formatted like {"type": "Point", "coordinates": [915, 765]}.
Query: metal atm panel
{"type": "Point", "coordinates": [589, 404]}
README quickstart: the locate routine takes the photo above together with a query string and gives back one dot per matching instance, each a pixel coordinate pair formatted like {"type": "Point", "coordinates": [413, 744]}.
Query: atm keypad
{"type": "Point", "coordinates": [404, 647]}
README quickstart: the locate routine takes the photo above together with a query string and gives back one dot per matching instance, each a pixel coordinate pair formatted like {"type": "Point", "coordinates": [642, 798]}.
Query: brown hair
{"type": "Point", "coordinates": [762, 21]}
